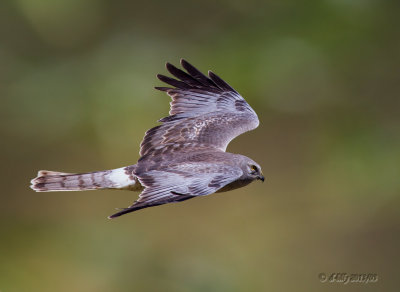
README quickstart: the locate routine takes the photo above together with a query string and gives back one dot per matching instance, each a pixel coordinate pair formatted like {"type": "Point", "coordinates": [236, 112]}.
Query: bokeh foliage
{"type": "Point", "coordinates": [76, 80]}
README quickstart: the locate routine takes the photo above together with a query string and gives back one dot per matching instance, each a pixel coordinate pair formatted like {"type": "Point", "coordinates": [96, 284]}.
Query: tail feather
{"type": "Point", "coordinates": [49, 172]}
{"type": "Point", "coordinates": [120, 178]}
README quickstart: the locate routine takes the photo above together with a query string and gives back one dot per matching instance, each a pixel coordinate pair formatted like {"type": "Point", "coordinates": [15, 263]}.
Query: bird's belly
{"type": "Point", "coordinates": [234, 185]}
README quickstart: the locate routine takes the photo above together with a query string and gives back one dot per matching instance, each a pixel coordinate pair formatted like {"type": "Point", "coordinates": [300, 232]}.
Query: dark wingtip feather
{"type": "Point", "coordinates": [173, 82]}
{"type": "Point", "coordinates": [183, 76]}
{"type": "Point", "coordinates": [196, 74]}
{"type": "Point", "coordinates": [192, 79]}
{"type": "Point", "coordinates": [183, 62]}
{"type": "Point", "coordinates": [120, 213]}
{"type": "Point", "coordinates": [220, 83]}
{"type": "Point", "coordinates": [162, 88]}
{"type": "Point", "coordinates": [191, 69]}
{"type": "Point", "coordinates": [135, 207]}
{"type": "Point", "coordinates": [168, 65]}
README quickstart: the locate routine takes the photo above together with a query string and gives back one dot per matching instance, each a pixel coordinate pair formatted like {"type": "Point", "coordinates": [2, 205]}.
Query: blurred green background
{"type": "Point", "coordinates": [76, 88]}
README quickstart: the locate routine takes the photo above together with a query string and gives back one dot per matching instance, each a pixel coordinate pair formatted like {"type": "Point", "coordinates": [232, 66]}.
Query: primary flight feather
{"type": "Point", "coordinates": [185, 156]}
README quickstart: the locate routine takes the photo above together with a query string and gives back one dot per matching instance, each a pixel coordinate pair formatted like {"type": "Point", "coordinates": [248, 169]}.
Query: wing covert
{"type": "Point", "coordinates": [181, 182]}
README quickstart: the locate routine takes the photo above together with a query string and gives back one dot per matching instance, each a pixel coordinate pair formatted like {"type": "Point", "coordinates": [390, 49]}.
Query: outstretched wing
{"type": "Point", "coordinates": [181, 182]}
{"type": "Point", "coordinates": [205, 113]}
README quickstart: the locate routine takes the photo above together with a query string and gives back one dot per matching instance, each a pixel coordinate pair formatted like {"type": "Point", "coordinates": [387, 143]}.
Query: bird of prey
{"type": "Point", "coordinates": [184, 157]}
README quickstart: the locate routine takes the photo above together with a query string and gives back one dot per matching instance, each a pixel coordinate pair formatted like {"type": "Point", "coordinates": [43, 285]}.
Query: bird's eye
{"type": "Point", "coordinates": [253, 169]}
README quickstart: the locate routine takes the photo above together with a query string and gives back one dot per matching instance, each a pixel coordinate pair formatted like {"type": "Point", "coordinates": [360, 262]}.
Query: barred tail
{"type": "Point", "coordinates": [120, 178]}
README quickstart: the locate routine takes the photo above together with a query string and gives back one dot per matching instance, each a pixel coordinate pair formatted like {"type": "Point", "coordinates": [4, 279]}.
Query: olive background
{"type": "Point", "coordinates": [76, 91]}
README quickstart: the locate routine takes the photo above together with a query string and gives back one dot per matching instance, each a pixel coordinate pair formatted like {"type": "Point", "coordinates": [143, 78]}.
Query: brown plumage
{"type": "Point", "coordinates": [185, 156]}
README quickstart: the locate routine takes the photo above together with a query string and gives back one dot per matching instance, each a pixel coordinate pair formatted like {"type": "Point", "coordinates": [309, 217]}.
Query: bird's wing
{"type": "Point", "coordinates": [205, 113]}
{"type": "Point", "coordinates": [181, 182]}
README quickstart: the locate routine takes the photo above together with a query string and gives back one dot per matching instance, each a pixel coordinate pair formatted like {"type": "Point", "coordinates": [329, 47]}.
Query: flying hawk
{"type": "Point", "coordinates": [184, 157]}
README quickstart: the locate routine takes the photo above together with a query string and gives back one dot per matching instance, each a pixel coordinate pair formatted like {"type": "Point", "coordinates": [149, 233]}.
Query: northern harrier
{"type": "Point", "coordinates": [185, 156]}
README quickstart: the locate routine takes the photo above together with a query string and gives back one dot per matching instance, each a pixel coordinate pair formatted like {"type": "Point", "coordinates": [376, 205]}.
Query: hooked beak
{"type": "Point", "coordinates": [261, 177]}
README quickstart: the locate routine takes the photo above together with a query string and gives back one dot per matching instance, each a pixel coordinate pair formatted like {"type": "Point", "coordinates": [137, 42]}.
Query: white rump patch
{"type": "Point", "coordinates": [121, 180]}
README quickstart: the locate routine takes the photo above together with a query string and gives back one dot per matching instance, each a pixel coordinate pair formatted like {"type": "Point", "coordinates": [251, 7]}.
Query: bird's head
{"type": "Point", "coordinates": [251, 169]}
